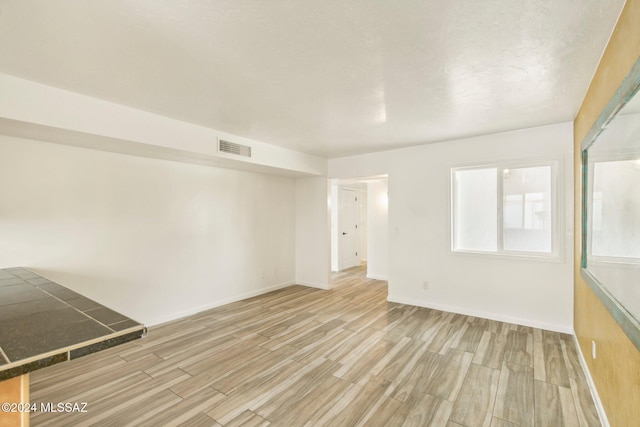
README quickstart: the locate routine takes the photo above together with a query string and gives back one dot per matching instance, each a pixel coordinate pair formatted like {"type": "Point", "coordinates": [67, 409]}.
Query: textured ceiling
{"type": "Point", "coordinates": [332, 78]}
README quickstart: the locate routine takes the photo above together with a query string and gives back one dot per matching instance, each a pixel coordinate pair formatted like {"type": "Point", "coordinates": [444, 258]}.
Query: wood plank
{"type": "Point", "coordinates": [259, 389]}
{"type": "Point", "coordinates": [490, 351]}
{"type": "Point", "coordinates": [234, 377]}
{"type": "Point", "coordinates": [186, 409]}
{"type": "Point", "coordinates": [554, 406]}
{"type": "Point", "coordinates": [391, 413]}
{"type": "Point", "coordinates": [400, 360]}
{"type": "Point", "coordinates": [572, 360]}
{"type": "Point", "coordinates": [314, 335]}
{"type": "Point", "coordinates": [413, 385]}
{"type": "Point", "coordinates": [515, 398]}
{"type": "Point", "coordinates": [519, 348]}
{"type": "Point", "coordinates": [120, 401]}
{"type": "Point", "coordinates": [583, 402]}
{"type": "Point", "coordinates": [361, 364]}
{"type": "Point", "coordinates": [499, 422]}
{"type": "Point", "coordinates": [445, 335]}
{"type": "Point", "coordinates": [199, 420]}
{"type": "Point", "coordinates": [323, 347]}
{"type": "Point", "coordinates": [312, 405]}
{"type": "Point", "coordinates": [555, 368]}
{"type": "Point", "coordinates": [539, 362]}
{"type": "Point", "coordinates": [355, 403]}
{"type": "Point", "coordinates": [138, 413]}
{"type": "Point", "coordinates": [569, 413]}
{"type": "Point", "coordinates": [429, 411]}
{"type": "Point", "coordinates": [287, 398]}
{"type": "Point", "coordinates": [446, 381]}
{"type": "Point", "coordinates": [292, 335]}
{"type": "Point", "coordinates": [232, 357]}
{"type": "Point", "coordinates": [248, 419]}
{"type": "Point", "coordinates": [469, 339]}
{"type": "Point", "coordinates": [474, 405]}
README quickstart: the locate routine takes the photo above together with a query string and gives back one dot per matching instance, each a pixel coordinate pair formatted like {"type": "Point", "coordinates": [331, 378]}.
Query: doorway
{"type": "Point", "coordinates": [352, 238]}
{"type": "Point", "coordinates": [348, 225]}
{"type": "Point", "coordinates": [348, 233]}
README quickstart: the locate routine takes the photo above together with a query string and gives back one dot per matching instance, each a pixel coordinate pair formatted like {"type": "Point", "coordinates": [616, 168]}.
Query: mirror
{"type": "Point", "coordinates": [611, 208]}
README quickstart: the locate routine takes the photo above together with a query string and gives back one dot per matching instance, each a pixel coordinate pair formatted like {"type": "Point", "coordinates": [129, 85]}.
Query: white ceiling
{"type": "Point", "coordinates": [333, 78]}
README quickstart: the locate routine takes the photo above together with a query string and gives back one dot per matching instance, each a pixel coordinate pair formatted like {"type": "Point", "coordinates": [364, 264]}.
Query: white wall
{"type": "Point", "coordinates": [312, 232]}
{"type": "Point", "coordinates": [378, 230]}
{"type": "Point", "coordinates": [536, 293]}
{"type": "Point", "coordinates": [33, 110]}
{"type": "Point", "coordinates": [153, 239]}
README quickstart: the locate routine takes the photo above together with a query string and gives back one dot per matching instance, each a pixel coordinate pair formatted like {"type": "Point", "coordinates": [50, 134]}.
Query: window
{"type": "Point", "coordinates": [506, 209]}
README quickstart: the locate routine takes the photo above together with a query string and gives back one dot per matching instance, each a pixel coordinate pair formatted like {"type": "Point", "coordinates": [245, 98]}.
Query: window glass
{"type": "Point", "coordinates": [513, 211]}
{"type": "Point", "coordinates": [475, 210]}
{"type": "Point", "coordinates": [532, 232]}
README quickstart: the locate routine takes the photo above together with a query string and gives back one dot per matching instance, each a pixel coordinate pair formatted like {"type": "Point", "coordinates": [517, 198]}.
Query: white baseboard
{"type": "Point", "coordinates": [592, 386]}
{"type": "Point", "coordinates": [485, 315]}
{"type": "Point", "coordinates": [377, 277]}
{"type": "Point", "coordinates": [180, 314]}
{"type": "Point", "coordinates": [312, 285]}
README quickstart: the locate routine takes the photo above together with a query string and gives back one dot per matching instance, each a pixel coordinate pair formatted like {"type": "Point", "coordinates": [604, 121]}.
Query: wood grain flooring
{"type": "Point", "coordinates": [345, 357]}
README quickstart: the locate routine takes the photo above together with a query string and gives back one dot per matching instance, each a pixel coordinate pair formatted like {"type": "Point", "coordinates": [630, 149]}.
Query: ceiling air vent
{"type": "Point", "coordinates": [233, 148]}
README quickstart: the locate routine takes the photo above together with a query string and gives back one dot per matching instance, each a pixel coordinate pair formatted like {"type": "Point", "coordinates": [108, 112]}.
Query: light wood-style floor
{"type": "Point", "coordinates": [344, 357]}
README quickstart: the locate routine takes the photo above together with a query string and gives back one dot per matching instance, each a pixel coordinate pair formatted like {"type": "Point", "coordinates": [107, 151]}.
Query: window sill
{"type": "Point", "coordinates": [513, 256]}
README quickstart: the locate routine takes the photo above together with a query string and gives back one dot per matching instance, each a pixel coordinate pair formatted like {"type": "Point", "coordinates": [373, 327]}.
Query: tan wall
{"type": "Point", "coordinates": [616, 370]}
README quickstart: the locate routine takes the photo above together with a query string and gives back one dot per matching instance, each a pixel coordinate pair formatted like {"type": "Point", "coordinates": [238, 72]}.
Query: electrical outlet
{"type": "Point", "coordinates": [593, 349]}
{"type": "Point", "coordinates": [425, 285]}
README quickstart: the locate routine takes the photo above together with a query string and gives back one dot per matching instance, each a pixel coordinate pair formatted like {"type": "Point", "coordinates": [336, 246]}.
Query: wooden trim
{"type": "Point", "coordinates": [15, 390]}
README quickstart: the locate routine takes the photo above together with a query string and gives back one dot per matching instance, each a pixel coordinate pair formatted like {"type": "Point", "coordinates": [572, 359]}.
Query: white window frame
{"type": "Point", "coordinates": [556, 210]}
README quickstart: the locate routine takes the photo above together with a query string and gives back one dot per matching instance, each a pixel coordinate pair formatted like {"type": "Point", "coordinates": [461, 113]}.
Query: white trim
{"type": "Point", "coordinates": [592, 386]}
{"type": "Point", "coordinates": [312, 285]}
{"type": "Point", "coordinates": [377, 277]}
{"type": "Point", "coordinates": [524, 256]}
{"type": "Point", "coordinates": [485, 315]}
{"type": "Point", "coordinates": [180, 314]}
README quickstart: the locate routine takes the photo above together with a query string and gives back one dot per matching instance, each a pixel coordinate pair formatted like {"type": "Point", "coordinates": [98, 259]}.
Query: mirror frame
{"type": "Point", "coordinates": [629, 87]}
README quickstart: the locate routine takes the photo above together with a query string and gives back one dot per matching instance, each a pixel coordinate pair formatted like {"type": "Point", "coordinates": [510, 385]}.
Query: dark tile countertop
{"type": "Point", "coordinates": [43, 323]}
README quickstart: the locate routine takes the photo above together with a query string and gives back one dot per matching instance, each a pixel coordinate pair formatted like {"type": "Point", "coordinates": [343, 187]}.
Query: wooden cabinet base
{"type": "Point", "coordinates": [15, 390]}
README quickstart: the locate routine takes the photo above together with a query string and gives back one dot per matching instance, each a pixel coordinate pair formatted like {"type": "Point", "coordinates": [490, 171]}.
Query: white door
{"type": "Point", "coordinates": [348, 228]}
